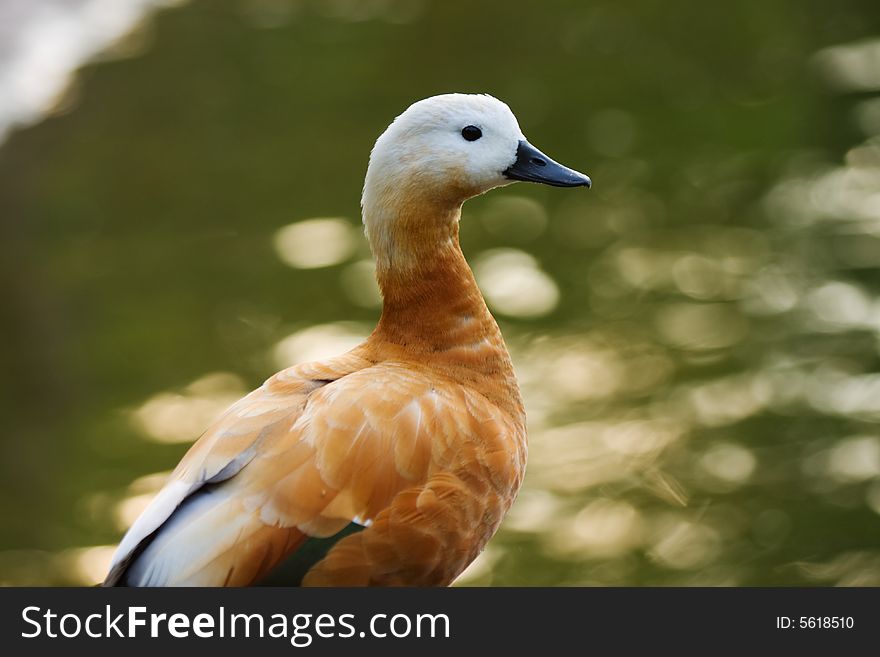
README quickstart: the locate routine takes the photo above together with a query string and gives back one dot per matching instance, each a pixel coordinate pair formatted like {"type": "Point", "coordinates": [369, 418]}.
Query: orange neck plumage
{"type": "Point", "coordinates": [433, 309]}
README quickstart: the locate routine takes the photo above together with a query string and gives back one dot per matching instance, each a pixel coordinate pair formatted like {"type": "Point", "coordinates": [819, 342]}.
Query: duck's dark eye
{"type": "Point", "coordinates": [471, 133]}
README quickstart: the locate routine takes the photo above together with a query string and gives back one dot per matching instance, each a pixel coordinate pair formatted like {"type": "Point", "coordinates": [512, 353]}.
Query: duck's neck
{"type": "Point", "coordinates": [431, 301]}
{"type": "Point", "coordinates": [433, 311]}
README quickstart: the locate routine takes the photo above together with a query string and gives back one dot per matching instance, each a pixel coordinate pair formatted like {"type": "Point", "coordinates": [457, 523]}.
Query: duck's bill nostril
{"type": "Point", "coordinates": [533, 166]}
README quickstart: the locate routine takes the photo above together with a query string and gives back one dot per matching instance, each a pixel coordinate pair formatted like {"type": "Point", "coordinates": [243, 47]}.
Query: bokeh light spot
{"type": "Point", "coordinates": [514, 284]}
{"type": "Point", "coordinates": [314, 243]}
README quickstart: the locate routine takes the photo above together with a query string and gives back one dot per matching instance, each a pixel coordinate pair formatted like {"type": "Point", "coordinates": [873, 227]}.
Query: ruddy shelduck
{"type": "Point", "coordinates": [392, 464]}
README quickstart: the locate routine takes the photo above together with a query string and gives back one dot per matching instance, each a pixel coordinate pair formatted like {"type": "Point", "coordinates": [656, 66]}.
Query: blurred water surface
{"type": "Point", "coordinates": [696, 338]}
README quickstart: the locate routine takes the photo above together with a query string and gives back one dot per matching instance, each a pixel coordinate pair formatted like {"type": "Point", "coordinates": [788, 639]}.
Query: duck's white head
{"type": "Point", "coordinates": [440, 152]}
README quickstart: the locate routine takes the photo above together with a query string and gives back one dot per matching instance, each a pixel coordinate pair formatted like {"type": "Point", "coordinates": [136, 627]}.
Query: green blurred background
{"type": "Point", "coordinates": [696, 337]}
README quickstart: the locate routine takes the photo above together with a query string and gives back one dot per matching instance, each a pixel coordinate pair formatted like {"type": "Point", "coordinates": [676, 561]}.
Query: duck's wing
{"type": "Point", "coordinates": [229, 445]}
{"type": "Point", "coordinates": [428, 465]}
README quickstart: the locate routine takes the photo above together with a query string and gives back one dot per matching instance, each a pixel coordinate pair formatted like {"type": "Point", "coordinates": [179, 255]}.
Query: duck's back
{"type": "Point", "coordinates": [425, 461]}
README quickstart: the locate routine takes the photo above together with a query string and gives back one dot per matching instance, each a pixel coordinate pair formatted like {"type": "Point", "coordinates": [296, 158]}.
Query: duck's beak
{"type": "Point", "coordinates": [533, 166]}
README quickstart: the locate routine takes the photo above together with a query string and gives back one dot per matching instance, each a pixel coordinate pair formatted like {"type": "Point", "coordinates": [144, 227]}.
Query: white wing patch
{"type": "Point", "coordinates": [158, 511]}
